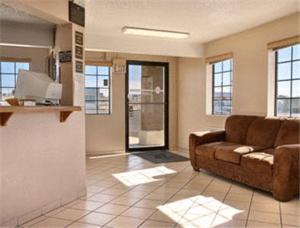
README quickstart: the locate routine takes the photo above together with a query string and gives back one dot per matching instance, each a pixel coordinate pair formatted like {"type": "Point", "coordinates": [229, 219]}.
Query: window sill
{"type": "Point", "coordinates": [218, 116]}
{"type": "Point", "coordinates": [96, 114]}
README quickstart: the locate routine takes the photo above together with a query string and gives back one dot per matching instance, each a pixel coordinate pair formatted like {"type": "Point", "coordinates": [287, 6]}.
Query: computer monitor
{"type": "Point", "coordinates": [37, 86]}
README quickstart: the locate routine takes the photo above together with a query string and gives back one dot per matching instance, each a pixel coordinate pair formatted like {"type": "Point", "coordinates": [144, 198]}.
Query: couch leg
{"type": "Point", "coordinates": [196, 169]}
{"type": "Point", "coordinates": [283, 198]}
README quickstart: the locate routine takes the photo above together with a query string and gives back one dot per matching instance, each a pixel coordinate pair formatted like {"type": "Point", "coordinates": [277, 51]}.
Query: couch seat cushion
{"type": "Point", "coordinates": [233, 153]}
{"type": "Point", "coordinates": [269, 151]}
{"type": "Point", "coordinates": [258, 166]}
{"type": "Point", "coordinates": [260, 162]}
{"type": "Point", "coordinates": [208, 150]}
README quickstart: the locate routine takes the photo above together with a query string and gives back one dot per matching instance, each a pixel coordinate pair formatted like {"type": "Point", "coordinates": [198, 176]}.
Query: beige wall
{"type": "Point", "coordinates": [42, 165]}
{"type": "Point", "coordinates": [106, 133]}
{"type": "Point", "coordinates": [27, 34]}
{"type": "Point", "coordinates": [38, 56]}
{"type": "Point", "coordinates": [250, 76]}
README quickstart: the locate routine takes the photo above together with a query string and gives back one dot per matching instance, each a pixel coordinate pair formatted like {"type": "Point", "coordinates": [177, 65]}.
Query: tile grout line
{"type": "Point", "coordinates": [180, 190]}
{"type": "Point", "coordinates": [222, 202]}
{"type": "Point", "coordinates": [165, 200]}
{"type": "Point", "coordinates": [249, 211]}
{"type": "Point", "coordinates": [187, 166]}
{"type": "Point", "coordinates": [90, 211]}
{"type": "Point", "coordinates": [120, 204]}
{"type": "Point", "coordinates": [171, 187]}
{"type": "Point", "coordinates": [169, 198]}
{"type": "Point", "coordinates": [280, 214]}
{"type": "Point", "coordinates": [194, 202]}
{"type": "Point", "coordinates": [94, 211]}
{"type": "Point", "coordinates": [63, 207]}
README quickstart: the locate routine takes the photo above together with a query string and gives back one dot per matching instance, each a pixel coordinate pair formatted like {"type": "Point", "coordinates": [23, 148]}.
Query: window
{"type": "Point", "coordinates": [222, 87]}
{"type": "Point", "coordinates": [8, 77]}
{"type": "Point", "coordinates": [97, 90]}
{"type": "Point", "coordinates": [287, 86]}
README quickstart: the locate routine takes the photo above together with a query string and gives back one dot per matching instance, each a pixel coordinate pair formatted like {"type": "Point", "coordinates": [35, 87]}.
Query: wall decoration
{"type": "Point", "coordinates": [79, 67]}
{"type": "Point", "coordinates": [65, 56]}
{"type": "Point", "coordinates": [78, 38]}
{"type": "Point", "coordinates": [76, 14]}
{"type": "Point", "coordinates": [78, 52]}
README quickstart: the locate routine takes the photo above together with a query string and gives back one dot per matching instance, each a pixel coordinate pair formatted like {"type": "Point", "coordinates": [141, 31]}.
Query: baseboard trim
{"type": "Point", "coordinates": [183, 149]}
{"type": "Point", "coordinates": [107, 152]}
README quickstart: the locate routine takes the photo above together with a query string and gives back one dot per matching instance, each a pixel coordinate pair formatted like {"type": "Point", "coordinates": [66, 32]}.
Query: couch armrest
{"type": "Point", "coordinates": [196, 139]}
{"type": "Point", "coordinates": [286, 172]}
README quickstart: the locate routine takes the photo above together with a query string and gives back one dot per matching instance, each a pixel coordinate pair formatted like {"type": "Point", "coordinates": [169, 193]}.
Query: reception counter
{"type": "Point", "coordinates": [7, 111]}
{"type": "Point", "coordinates": [42, 160]}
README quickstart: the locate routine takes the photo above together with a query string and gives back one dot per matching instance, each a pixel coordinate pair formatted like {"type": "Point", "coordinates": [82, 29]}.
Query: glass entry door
{"type": "Point", "coordinates": [146, 106]}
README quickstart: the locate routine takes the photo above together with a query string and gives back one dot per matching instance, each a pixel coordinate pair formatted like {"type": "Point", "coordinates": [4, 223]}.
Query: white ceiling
{"type": "Point", "coordinates": [10, 14]}
{"type": "Point", "coordinates": [205, 20]}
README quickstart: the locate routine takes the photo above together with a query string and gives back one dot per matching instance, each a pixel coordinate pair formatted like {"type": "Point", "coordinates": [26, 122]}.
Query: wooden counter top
{"type": "Point", "coordinates": [7, 111]}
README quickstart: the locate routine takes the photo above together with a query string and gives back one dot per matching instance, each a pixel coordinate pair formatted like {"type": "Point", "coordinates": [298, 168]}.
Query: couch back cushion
{"type": "Point", "coordinates": [289, 133]}
{"type": "Point", "coordinates": [263, 131]}
{"type": "Point", "coordinates": [236, 128]}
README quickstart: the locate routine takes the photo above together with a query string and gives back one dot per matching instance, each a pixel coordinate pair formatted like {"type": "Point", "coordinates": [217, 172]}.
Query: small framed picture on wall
{"type": "Point", "coordinates": [79, 67]}
{"type": "Point", "coordinates": [65, 56]}
{"type": "Point", "coordinates": [78, 52]}
{"type": "Point", "coordinates": [78, 38]}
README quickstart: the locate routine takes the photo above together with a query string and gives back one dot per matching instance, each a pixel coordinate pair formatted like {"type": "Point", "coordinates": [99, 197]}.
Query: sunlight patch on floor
{"type": "Point", "coordinates": [143, 176]}
{"type": "Point", "coordinates": [199, 211]}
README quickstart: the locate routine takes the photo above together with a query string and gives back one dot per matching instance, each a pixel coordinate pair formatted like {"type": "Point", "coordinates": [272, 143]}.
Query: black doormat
{"type": "Point", "coordinates": [160, 156]}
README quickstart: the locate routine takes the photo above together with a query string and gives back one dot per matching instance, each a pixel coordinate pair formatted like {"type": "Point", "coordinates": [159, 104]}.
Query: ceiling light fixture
{"type": "Point", "coordinates": [155, 32]}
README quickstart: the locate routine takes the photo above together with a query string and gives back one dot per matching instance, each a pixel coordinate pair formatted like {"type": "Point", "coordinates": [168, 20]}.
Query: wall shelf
{"type": "Point", "coordinates": [7, 111]}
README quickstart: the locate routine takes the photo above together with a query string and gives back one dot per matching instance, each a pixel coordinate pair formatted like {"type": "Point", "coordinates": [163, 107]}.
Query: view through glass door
{"type": "Point", "coordinates": [146, 106]}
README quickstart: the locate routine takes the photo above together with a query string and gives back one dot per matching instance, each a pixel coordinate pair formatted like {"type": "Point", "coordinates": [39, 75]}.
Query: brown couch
{"type": "Point", "coordinates": [258, 151]}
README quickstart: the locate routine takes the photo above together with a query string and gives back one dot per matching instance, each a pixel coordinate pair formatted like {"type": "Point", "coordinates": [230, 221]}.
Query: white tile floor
{"type": "Point", "coordinates": [127, 191]}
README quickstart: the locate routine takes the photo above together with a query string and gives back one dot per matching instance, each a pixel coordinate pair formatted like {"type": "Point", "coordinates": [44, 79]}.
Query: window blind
{"type": "Point", "coordinates": [218, 58]}
{"type": "Point", "coordinates": [98, 63]}
{"type": "Point", "coordinates": [12, 59]}
{"type": "Point", "coordinates": [284, 42]}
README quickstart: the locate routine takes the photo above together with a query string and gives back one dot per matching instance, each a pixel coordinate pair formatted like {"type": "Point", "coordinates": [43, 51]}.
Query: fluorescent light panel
{"type": "Point", "coordinates": [97, 50]}
{"type": "Point", "coordinates": [155, 32]}
{"type": "Point", "coordinates": [24, 45]}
